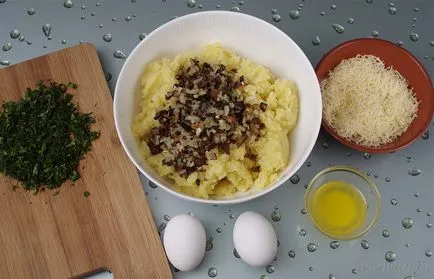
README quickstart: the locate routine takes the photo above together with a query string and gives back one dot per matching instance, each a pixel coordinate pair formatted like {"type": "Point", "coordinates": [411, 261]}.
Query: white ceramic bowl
{"type": "Point", "coordinates": [250, 37]}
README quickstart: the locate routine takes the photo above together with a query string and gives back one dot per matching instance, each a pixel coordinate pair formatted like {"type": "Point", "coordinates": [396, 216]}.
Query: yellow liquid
{"type": "Point", "coordinates": [338, 208]}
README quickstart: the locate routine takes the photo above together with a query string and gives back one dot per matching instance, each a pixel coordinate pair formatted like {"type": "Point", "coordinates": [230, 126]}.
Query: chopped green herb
{"type": "Point", "coordinates": [86, 194]}
{"type": "Point", "coordinates": [44, 136]}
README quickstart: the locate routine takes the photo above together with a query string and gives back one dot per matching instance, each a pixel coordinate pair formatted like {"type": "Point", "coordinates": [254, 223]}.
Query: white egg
{"type": "Point", "coordinates": [184, 241]}
{"type": "Point", "coordinates": [255, 239]}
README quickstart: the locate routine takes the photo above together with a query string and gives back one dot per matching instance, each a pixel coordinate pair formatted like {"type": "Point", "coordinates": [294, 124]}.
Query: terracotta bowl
{"type": "Point", "coordinates": [405, 63]}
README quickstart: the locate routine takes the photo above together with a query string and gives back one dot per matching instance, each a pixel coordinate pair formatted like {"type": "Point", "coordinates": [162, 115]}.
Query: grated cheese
{"type": "Point", "coordinates": [367, 103]}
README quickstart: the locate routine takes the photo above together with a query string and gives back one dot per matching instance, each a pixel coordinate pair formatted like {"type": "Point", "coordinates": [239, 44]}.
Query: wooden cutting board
{"type": "Point", "coordinates": [67, 235]}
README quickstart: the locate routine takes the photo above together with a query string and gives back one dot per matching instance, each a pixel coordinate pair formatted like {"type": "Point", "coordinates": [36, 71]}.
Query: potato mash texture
{"type": "Point", "coordinates": [228, 174]}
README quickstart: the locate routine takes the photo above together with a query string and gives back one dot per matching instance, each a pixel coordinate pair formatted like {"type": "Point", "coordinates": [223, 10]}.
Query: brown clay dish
{"type": "Point", "coordinates": [406, 64]}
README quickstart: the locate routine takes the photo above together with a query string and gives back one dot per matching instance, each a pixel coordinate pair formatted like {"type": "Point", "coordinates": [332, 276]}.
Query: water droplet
{"type": "Point", "coordinates": [218, 6]}
{"type": "Point", "coordinates": [273, 11]}
{"type": "Point", "coordinates": [331, 276]}
{"type": "Point", "coordinates": [7, 46]}
{"type": "Point", "coordinates": [235, 9]}
{"type": "Point", "coordinates": [350, 20]}
{"type": "Point", "coordinates": [369, 1]}
{"type": "Point", "coordinates": [68, 4]}
{"type": "Point", "coordinates": [428, 253]}
{"type": "Point", "coordinates": [390, 256]}
{"type": "Point", "coordinates": [82, 17]}
{"type": "Point", "coordinates": [418, 209]}
{"type": "Point", "coordinates": [407, 245]}
{"type": "Point", "coordinates": [152, 184]}
{"type": "Point", "coordinates": [429, 225]}
{"type": "Point", "coordinates": [316, 41]}
{"type": "Point", "coordinates": [311, 247]}
{"type": "Point", "coordinates": [409, 277]}
{"type": "Point", "coordinates": [417, 195]}
{"type": "Point", "coordinates": [414, 36]}
{"type": "Point", "coordinates": [209, 244]}
{"type": "Point", "coordinates": [294, 14]}
{"type": "Point", "coordinates": [275, 216]}
{"type": "Point", "coordinates": [219, 230]}
{"type": "Point", "coordinates": [63, 42]}
{"type": "Point", "coordinates": [191, 3]}
{"type": "Point", "coordinates": [387, 179]}
{"type": "Point", "coordinates": [83, 7]}
{"type": "Point", "coordinates": [2, 1]}
{"type": "Point", "coordinates": [393, 202]}
{"type": "Point", "coordinates": [100, 26]}
{"type": "Point", "coordinates": [375, 33]}
{"type": "Point", "coordinates": [367, 155]}
{"type": "Point", "coordinates": [354, 271]}
{"type": "Point", "coordinates": [365, 244]}
{"type": "Point", "coordinates": [166, 217]}
{"type": "Point", "coordinates": [407, 223]}
{"type": "Point", "coordinates": [333, 7]}
{"type": "Point", "coordinates": [119, 54]}
{"type": "Point", "coordinates": [294, 179]}
{"type": "Point", "coordinates": [303, 211]}
{"type": "Point", "coordinates": [416, 9]}
{"type": "Point", "coordinates": [21, 38]}
{"type": "Point", "coordinates": [128, 18]}
{"type": "Point", "coordinates": [142, 36]}
{"type": "Point", "coordinates": [46, 29]}
{"type": "Point", "coordinates": [31, 11]}
{"type": "Point", "coordinates": [310, 268]}
{"type": "Point", "coordinates": [97, 4]}
{"type": "Point", "coordinates": [376, 175]}
{"type": "Point", "coordinates": [92, 14]}
{"type": "Point", "coordinates": [291, 254]}
{"type": "Point", "coordinates": [161, 227]}
{"type": "Point", "coordinates": [392, 10]}
{"type": "Point", "coordinates": [44, 46]}
{"type": "Point", "coordinates": [429, 214]}
{"type": "Point", "coordinates": [270, 268]}
{"type": "Point", "coordinates": [385, 233]}
{"type": "Point", "coordinates": [325, 145]}
{"type": "Point", "coordinates": [236, 254]}
{"type": "Point", "coordinates": [334, 244]}
{"type": "Point", "coordinates": [399, 43]}
{"type": "Point", "coordinates": [107, 37]}
{"type": "Point", "coordinates": [322, 13]}
{"type": "Point", "coordinates": [263, 276]}
{"type": "Point", "coordinates": [302, 232]}
{"type": "Point", "coordinates": [391, 4]}
{"type": "Point", "coordinates": [425, 135]}
{"type": "Point", "coordinates": [4, 63]}
{"type": "Point", "coordinates": [276, 17]}
{"type": "Point", "coordinates": [241, 3]}
{"type": "Point", "coordinates": [14, 34]}
{"type": "Point", "coordinates": [414, 172]}
{"type": "Point", "coordinates": [212, 272]}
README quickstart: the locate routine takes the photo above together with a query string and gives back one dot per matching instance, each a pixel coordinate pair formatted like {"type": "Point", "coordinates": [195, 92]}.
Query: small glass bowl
{"type": "Point", "coordinates": [359, 180]}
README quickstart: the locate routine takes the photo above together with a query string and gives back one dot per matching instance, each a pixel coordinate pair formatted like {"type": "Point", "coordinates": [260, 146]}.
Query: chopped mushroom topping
{"type": "Point", "coordinates": [206, 115]}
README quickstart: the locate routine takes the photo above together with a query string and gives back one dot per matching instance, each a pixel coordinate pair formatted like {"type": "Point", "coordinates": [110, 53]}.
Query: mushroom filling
{"type": "Point", "coordinates": [206, 115]}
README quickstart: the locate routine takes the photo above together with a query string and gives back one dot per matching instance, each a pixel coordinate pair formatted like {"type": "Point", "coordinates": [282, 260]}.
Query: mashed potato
{"type": "Point", "coordinates": [227, 174]}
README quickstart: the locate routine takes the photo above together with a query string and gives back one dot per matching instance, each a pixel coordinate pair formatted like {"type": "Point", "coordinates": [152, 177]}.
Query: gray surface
{"type": "Point", "coordinates": [67, 25]}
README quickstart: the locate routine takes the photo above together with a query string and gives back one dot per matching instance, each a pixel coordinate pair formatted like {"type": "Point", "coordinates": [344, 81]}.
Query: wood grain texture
{"type": "Point", "coordinates": [68, 235]}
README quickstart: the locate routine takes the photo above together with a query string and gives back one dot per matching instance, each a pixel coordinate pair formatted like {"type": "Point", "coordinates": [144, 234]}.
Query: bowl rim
{"type": "Point", "coordinates": [354, 171]}
{"type": "Point", "coordinates": [362, 148]}
{"type": "Point", "coordinates": [234, 200]}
